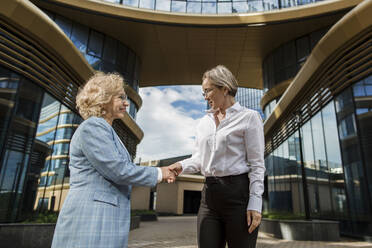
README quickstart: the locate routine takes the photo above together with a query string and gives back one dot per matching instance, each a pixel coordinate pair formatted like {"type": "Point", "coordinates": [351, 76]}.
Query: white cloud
{"type": "Point", "coordinates": [168, 118]}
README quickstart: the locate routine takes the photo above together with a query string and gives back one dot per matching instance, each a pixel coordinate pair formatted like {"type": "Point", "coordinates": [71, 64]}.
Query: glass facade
{"type": "Point", "coordinates": [213, 6]}
{"type": "Point", "coordinates": [250, 98]}
{"type": "Point", "coordinates": [103, 53]}
{"type": "Point", "coordinates": [20, 102]}
{"type": "Point", "coordinates": [333, 151]}
{"type": "Point", "coordinates": [36, 127]}
{"type": "Point", "coordinates": [56, 126]}
{"type": "Point", "coordinates": [35, 133]}
{"type": "Point", "coordinates": [269, 108]}
{"type": "Point", "coordinates": [284, 62]}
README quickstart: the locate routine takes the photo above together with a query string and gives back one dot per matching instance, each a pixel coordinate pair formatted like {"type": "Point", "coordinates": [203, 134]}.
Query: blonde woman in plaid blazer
{"type": "Point", "coordinates": [96, 212]}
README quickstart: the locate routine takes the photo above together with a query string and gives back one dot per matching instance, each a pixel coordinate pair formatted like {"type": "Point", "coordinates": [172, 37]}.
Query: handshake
{"type": "Point", "coordinates": [170, 172]}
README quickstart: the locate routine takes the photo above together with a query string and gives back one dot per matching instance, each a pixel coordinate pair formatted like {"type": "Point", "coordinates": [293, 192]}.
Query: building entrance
{"type": "Point", "coordinates": [191, 201]}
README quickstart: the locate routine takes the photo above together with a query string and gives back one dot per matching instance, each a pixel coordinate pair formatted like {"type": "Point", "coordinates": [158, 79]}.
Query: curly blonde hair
{"type": "Point", "coordinates": [98, 92]}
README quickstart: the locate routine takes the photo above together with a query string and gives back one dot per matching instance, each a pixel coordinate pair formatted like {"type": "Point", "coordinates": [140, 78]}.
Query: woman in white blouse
{"type": "Point", "coordinates": [229, 152]}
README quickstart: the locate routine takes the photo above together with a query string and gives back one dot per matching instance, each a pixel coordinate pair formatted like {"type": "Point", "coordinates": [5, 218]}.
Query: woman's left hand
{"type": "Point", "coordinates": [253, 219]}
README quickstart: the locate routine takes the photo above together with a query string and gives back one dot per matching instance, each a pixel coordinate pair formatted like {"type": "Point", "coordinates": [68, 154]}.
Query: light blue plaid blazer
{"type": "Point", "coordinates": [96, 212]}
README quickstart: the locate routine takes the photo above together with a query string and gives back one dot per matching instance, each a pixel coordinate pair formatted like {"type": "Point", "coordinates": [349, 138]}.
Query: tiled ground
{"type": "Point", "coordinates": [180, 232]}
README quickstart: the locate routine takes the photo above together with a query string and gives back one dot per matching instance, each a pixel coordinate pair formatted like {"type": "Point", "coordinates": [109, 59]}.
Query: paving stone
{"type": "Point", "coordinates": [180, 232]}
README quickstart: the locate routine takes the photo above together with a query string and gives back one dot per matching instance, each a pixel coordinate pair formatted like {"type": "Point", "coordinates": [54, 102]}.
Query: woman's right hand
{"type": "Point", "coordinates": [176, 168]}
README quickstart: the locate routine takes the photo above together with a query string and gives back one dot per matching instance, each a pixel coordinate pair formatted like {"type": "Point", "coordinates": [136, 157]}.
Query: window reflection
{"type": "Point", "coordinates": [255, 6]}
{"type": "Point", "coordinates": [79, 37]}
{"type": "Point", "coordinates": [323, 170]}
{"type": "Point", "coordinates": [209, 8]}
{"type": "Point", "coordinates": [56, 126]}
{"type": "Point", "coordinates": [95, 44]}
{"type": "Point", "coordinates": [19, 109]}
{"type": "Point", "coordinates": [103, 52]}
{"type": "Point", "coordinates": [8, 88]}
{"type": "Point", "coordinates": [147, 4]}
{"type": "Point", "coordinates": [179, 6]}
{"type": "Point", "coordinates": [240, 7]}
{"type": "Point", "coordinates": [61, 149]}
{"type": "Point", "coordinates": [132, 109]}
{"type": "Point", "coordinates": [163, 5]}
{"type": "Point", "coordinates": [93, 61]}
{"type": "Point", "coordinates": [193, 7]}
{"type": "Point", "coordinates": [109, 52]}
{"type": "Point", "coordinates": [269, 108]}
{"type": "Point", "coordinates": [362, 95]}
{"type": "Point", "coordinates": [133, 3]}
{"type": "Point", "coordinates": [355, 178]}
{"type": "Point", "coordinates": [64, 24]}
{"type": "Point", "coordinates": [224, 8]}
{"type": "Point", "coordinates": [284, 62]}
{"type": "Point", "coordinates": [334, 160]}
{"type": "Point", "coordinates": [288, 3]}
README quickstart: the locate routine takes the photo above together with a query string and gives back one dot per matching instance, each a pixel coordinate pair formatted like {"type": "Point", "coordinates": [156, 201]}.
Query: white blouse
{"type": "Point", "coordinates": [235, 147]}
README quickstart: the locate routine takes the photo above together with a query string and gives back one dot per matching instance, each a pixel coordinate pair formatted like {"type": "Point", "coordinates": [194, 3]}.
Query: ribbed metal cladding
{"type": "Point", "coordinates": [346, 66]}
{"type": "Point", "coordinates": [25, 56]}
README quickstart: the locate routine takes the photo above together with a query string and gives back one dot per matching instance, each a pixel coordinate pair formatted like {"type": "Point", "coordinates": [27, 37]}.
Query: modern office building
{"type": "Point", "coordinates": [312, 59]}
{"type": "Point", "coordinates": [318, 91]}
{"type": "Point", "coordinates": [250, 98]}
{"type": "Point", "coordinates": [43, 61]}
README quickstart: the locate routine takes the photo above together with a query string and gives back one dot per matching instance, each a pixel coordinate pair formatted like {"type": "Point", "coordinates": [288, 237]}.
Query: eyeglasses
{"type": "Point", "coordinates": [206, 91]}
{"type": "Point", "coordinates": [123, 97]}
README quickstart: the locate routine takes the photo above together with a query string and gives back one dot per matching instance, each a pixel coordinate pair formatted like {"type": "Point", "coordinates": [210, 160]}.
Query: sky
{"type": "Point", "coordinates": [168, 117]}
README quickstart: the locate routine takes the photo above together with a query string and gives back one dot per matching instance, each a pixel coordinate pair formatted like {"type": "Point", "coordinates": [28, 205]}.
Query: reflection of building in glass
{"type": "Point", "coordinates": [57, 123]}
{"type": "Point", "coordinates": [39, 80]}
{"type": "Point", "coordinates": [312, 63]}
{"type": "Point", "coordinates": [104, 53]}
{"type": "Point", "coordinates": [318, 149]}
{"type": "Point", "coordinates": [282, 64]}
{"type": "Point", "coordinates": [335, 152]}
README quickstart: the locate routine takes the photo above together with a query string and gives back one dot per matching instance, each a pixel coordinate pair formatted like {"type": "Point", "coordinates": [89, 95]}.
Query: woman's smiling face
{"type": "Point", "coordinates": [213, 94]}
{"type": "Point", "coordinates": [118, 105]}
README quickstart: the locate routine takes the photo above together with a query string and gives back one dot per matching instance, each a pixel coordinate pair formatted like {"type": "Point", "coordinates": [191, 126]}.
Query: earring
{"type": "Point", "coordinates": [225, 94]}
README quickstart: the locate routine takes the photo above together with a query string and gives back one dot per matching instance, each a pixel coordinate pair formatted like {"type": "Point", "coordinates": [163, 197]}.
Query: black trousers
{"type": "Point", "coordinates": [222, 214]}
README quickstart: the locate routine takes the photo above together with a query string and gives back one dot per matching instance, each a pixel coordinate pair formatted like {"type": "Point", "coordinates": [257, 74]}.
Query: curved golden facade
{"type": "Point", "coordinates": [178, 48]}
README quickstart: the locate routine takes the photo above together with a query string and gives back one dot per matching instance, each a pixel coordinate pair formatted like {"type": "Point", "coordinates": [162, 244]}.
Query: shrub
{"type": "Point", "coordinates": [140, 212]}
{"type": "Point", "coordinates": [47, 217]}
{"type": "Point", "coordinates": [283, 216]}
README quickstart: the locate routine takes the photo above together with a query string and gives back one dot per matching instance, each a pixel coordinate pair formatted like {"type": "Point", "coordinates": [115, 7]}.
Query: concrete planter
{"type": "Point", "coordinates": [311, 230]}
{"type": "Point", "coordinates": [26, 235]}
{"type": "Point", "coordinates": [36, 235]}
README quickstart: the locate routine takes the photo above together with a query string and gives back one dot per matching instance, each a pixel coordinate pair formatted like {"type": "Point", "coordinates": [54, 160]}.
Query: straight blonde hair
{"type": "Point", "coordinates": [220, 76]}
